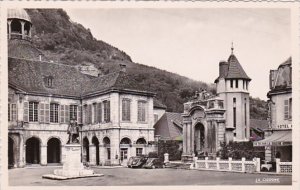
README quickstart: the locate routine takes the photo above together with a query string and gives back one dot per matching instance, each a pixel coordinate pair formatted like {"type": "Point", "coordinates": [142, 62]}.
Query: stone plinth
{"type": "Point", "coordinates": [72, 168]}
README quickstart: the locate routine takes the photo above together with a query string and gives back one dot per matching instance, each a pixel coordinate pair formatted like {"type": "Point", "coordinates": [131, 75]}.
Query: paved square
{"type": "Point", "coordinates": [128, 176]}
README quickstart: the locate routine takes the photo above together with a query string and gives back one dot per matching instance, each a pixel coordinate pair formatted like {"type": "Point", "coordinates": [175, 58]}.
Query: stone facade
{"type": "Point", "coordinates": [115, 130]}
{"type": "Point", "coordinates": [45, 96]}
{"type": "Point", "coordinates": [210, 120]}
{"type": "Point", "coordinates": [280, 115]}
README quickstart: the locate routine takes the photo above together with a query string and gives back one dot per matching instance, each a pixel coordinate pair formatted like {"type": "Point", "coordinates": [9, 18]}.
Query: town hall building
{"type": "Point", "coordinates": [114, 112]}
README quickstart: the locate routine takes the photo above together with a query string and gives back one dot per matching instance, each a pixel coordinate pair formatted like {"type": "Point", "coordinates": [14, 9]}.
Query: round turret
{"type": "Point", "coordinates": [18, 24]}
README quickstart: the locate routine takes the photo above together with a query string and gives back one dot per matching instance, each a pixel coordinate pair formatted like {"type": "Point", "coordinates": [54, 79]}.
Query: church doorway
{"type": "Point", "coordinates": [11, 155]}
{"type": "Point", "coordinates": [199, 139]}
{"type": "Point", "coordinates": [33, 151]}
{"type": "Point", "coordinates": [96, 144]}
{"type": "Point", "coordinates": [53, 150]}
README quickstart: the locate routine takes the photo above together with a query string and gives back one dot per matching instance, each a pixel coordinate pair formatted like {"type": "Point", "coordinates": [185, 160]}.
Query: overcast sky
{"type": "Point", "coordinates": [191, 42]}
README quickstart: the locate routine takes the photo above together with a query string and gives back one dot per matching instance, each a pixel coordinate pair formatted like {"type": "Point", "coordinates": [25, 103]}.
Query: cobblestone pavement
{"type": "Point", "coordinates": [128, 176]}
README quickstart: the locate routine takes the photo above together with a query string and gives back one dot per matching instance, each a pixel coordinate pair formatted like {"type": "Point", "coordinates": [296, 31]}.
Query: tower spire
{"type": "Point", "coordinates": [232, 48]}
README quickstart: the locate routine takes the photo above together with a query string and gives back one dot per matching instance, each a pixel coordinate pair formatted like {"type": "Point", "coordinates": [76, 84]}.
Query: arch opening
{"type": "Point", "coordinates": [199, 139]}
{"type": "Point", "coordinates": [96, 144]}
{"type": "Point", "coordinates": [11, 155]}
{"type": "Point", "coordinates": [16, 26]}
{"type": "Point", "coordinates": [53, 150]}
{"type": "Point", "coordinates": [86, 150]}
{"type": "Point", "coordinates": [106, 143]}
{"type": "Point", "coordinates": [141, 141]}
{"type": "Point", "coordinates": [33, 151]}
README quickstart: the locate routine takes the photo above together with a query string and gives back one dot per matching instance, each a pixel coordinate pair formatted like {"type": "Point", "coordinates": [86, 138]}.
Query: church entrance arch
{"type": "Point", "coordinates": [33, 151]}
{"type": "Point", "coordinates": [53, 150]}
{"type": "Point", "coordinates": [199, 139]}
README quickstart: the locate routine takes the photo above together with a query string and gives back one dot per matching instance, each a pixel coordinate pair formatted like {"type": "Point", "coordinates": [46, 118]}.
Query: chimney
{"type": "Point", "coordinates": [123, 67]}
{"type": "Point", "coordinates": [223, 69]}
{"type": "Point", "coordinates": [40, 57]}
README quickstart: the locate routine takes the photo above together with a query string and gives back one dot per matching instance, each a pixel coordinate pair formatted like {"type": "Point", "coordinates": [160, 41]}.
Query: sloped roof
{"type": "Point", "coordinates": [287, 62]}
{"type": "Point", "coordinates": [259, 124]}
{"type": "Point", "coordinates": [158, 104]}
{"type": "Point", "coordinates": [169, 126]}
{"type": "Point", "coordinates": [24, 50]}
{"type": "Point", "coordinates": [235, 70]}
{"type": "Point", "coordinates": [29, 76]}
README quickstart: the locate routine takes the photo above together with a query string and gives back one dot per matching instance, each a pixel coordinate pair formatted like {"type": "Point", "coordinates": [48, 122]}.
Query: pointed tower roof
{"type": "Point", "coordinates": [235, 70]}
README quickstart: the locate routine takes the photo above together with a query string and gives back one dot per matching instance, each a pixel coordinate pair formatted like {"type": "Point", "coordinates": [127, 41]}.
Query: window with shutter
{"type": "Point", "coordinates": [85, 120]}
{"type": "Point", "coordinates": [62, 113]}
{"type": "Point", "coordinates": [67, 113]}
{"type": "Point", "coordinates": [47, 113]}
{"type": "Point", "coordinates": [142, 111]}
{"type": "Point", "coordinates": [33, 111]}
{"type": "Point", "coordinates": [95, 113]}
{"type": "Point", "coordinates": [25, 112]}
{"type": "Point", "coordinates": [54, 113]}
{"type": "Point", "coordinates": [286, 109]}
{"type": "Point", "coordinates": [79, 115]}
{"type": "Point", "coordinates": [73, 112]}
{"type": "Point", "coordinates": [106, 108]}
{"type": "Point", "coordinates": [14, 112]}
{"type": "Point", "coordinates": [42, 113]}
{"type": "Point", "coordinates": [290, 108]}
{"type": "Point", "coordinates": [126, 110]}
{"type": "Point", "coordinates": [90, 114]}
{"type": "Point", "coordinates": [9, 115]}
{"type": "Point", "coordinates": [99, 113]}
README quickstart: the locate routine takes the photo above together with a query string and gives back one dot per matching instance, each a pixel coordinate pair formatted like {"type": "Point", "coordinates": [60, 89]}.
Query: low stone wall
{"type": "Point", "coordinates": [227, 165]}
{"type": "Point", "coordinates": [284, 167]}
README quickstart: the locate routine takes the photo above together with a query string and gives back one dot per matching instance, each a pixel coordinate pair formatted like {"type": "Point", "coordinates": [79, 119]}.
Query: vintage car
{"type": "Point", "coordinates": [153, 163]}
{"type": "Point", "coordinates": [136, 161]}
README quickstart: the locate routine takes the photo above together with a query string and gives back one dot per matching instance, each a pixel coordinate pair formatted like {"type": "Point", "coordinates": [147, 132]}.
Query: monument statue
{"type": "Point", "coordinates": [73, 131]}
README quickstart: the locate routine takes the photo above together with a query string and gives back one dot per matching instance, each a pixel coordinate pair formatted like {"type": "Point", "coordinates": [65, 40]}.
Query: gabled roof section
{"type": "Point", "coordinates": [158, 104]}
{"type": "Point", "coordinates": [259, 124]}
{"type": "Point", "coordinates": [120, 81]}
{"type": "Point", "coordinates": [235, 70]}
{"type": "Point", "coordinates": [31, 76]}
{"type": "Point", "coordinates": [24, 50]}
{"type": "Point", "coordinates": [169, 126]}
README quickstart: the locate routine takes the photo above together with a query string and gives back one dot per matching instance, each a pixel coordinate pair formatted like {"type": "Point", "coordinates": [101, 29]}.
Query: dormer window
{"type": "Point", "coordinates": [48, 81]}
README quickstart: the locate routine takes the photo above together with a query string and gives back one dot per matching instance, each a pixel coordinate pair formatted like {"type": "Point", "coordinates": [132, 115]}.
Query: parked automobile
{"type": "Point", "coordinates": [129, 163]}
{"type": "Point", "coordinates": [153, 163]}
{"type": "Point", "coordinates": [136, 161]}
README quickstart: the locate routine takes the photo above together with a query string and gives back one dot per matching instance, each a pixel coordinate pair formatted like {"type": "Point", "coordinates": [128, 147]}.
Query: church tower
{"type": "Point", "coordinates": [232, 87]}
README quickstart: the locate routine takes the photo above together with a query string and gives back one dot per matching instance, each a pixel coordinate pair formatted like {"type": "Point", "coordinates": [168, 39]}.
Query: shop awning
{"type": "Point", "coordinates": [278, 138]}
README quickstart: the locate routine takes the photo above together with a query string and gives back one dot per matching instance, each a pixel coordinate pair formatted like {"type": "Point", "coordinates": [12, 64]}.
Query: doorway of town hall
{"type": "Point", "coordinates": [125, 145]}
{"type": "Point", "coordinates": [53, 151]}
{"type": "Point", "coordinates": [33, 151]}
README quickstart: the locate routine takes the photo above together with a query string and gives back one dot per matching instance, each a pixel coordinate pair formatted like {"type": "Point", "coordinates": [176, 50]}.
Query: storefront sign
{"type": "Point", "coordinates": [284, 126]}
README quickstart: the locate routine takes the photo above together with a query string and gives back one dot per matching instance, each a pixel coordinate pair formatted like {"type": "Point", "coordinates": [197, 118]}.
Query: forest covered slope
{"type": "Point", "coordinates": [64, 41]}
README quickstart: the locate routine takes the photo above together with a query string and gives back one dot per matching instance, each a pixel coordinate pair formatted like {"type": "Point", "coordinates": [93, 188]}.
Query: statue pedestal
{"type": "Point", "coordinates": [72, 168]}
